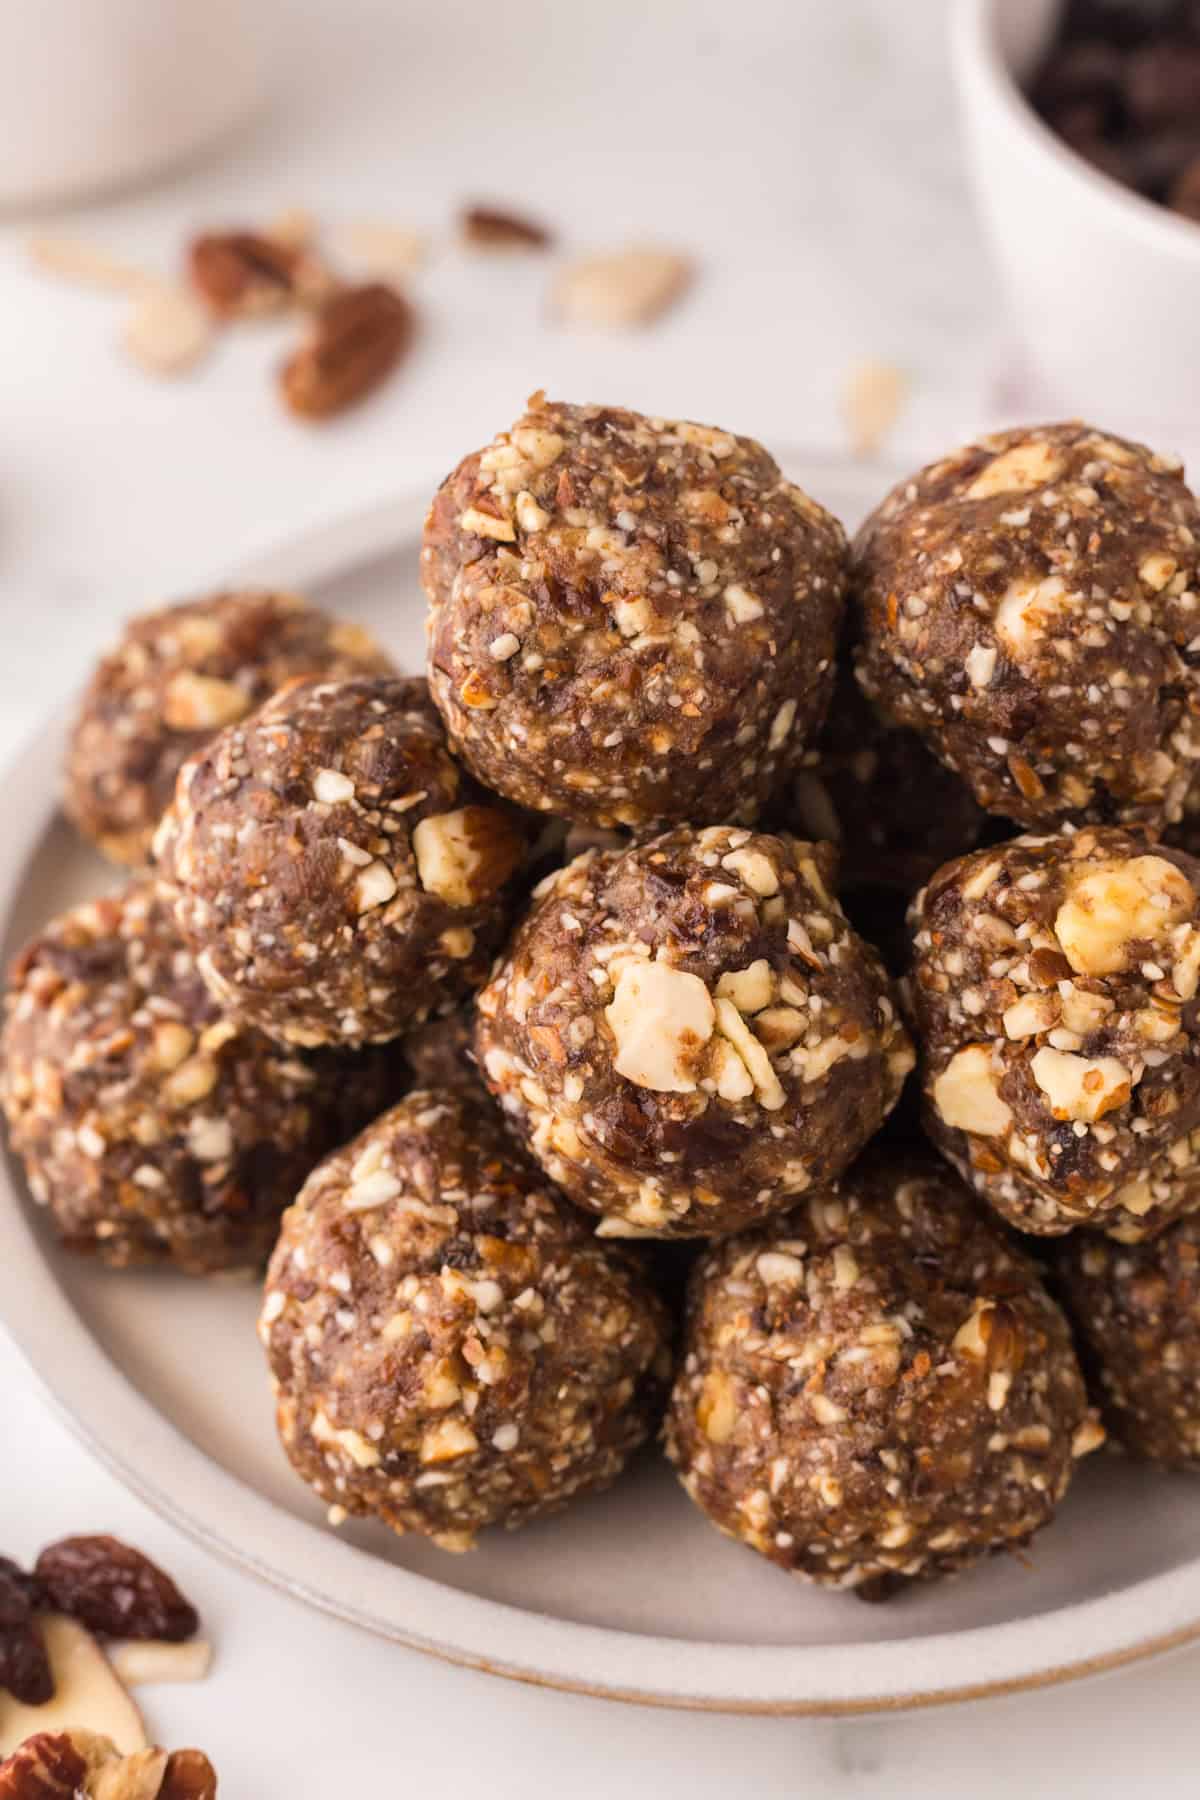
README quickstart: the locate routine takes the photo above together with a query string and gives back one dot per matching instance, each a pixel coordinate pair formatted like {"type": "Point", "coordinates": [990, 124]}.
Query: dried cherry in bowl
{"type": "Point", "coordinates": [1105, 284]}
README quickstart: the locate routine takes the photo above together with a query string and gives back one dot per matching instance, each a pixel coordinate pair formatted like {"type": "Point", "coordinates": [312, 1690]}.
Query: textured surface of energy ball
{"type": "Point", "coordinates": [1053, 990]}
{"type": "Point", "coordinates": [877, 1385]}
{"type": "Point", "coordinates": [337, 875]}
{"type": "Point", "coordinates": [1029, 605]}
{"type": "Point", "coordinates": [176, 677]}
{"type": "Point", "coordinates": [633, 620]}
{"type": "Point", "coordinates": [688, 1034]}
{"type": "Point", "coordinates": [152, 1127]}
{"type": "Point", "coordinates": [875, 791]}
{"type": "Point", "coordinates": [1136, 1308]}
{"type": "Point", "coordinates": [449, 1347]}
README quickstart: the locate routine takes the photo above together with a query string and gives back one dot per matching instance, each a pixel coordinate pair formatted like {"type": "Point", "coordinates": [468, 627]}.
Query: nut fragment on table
{"type": "Point", "coordinates": [176, 676]}
{"type": "Point", "coordinates": [153, 1128]}
{"type": "Point", "coordinates": [688, 1034]}
{"type": "Point", "coordinates": [1136, 1308]}
{"type": "Point", "coordinates": [357, 338]}
{"type": "Point", "coordinates": [450, 1349]}
{"type": "Point", "coordinates": [622, 287]}
{"type": "Point", "coordinates": [337, 876]}
{"type": "Point", "coordinates": [495, 228]}
{"type": "Point", "coordinates": [1030, 605]}
{"type": "Point", "coordinates": [872, 400]}
{"type": "Point", "coordinates": [633, 620]}
{"type": "Point", "coordinates": [1053, 994]}
{"type": "Point", "coordinates": [877, 1384]}
{"type": "Point", "coordinates": [167, 332]}
{"type": "Point", "coordinates": [386, 252]}
{"type": "Point", "coordinates": [248, 274]}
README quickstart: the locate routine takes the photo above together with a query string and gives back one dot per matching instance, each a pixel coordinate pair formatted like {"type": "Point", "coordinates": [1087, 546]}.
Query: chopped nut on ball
{"type": "Point", "coordinates": [449, 1347]}
{"type": "Point", "coordinates": [336, 875]}
{"type": "Point", "coordinates": [1029, 605]}
{"type": "Point", "coordinates": [1052, 989]}
{"type": "Point", "coordinates": [633, 620]}
{"type": "Point", "coordinates": [877, 1384]}
{"type": "Point", "coordinates": [175, 679]}
{"type": "Point", "coordinates": [687, 1034]}
{"type": "Point", "coordinates": [152, 1127]}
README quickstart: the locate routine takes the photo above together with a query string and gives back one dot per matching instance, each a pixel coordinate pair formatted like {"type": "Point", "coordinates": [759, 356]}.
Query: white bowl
{"type": "Point", "coordinates": [108, 92]}
{"type": "Point", "coordinates": [1105, 284]}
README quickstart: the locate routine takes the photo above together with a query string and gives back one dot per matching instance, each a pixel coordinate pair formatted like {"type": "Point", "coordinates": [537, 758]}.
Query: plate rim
{"type": "Point", "coordinates": [137, 1443]}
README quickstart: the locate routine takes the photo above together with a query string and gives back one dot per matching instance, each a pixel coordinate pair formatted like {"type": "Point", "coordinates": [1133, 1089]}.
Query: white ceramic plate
{"type": "Point", "coordinates": [629, 1595]}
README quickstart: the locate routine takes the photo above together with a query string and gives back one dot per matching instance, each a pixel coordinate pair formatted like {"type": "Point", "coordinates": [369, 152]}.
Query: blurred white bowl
{"type": "Point", "coordinates": [1105, 283]}
{"type": "Point", "coordinates": [95, 93]}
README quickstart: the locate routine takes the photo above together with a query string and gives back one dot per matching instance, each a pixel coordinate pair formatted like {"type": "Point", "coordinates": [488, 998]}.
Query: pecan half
{"type": "Point", "coordinates": [358, 338]}
{"type": "Point", "coordinates": [242, 274]}
{"type": "Point", "coordinates": [79, 1765]}
{"type": "Point", "coordinates": [489, 228]}
{"type": "Point", "coordinates": [114, 1590]}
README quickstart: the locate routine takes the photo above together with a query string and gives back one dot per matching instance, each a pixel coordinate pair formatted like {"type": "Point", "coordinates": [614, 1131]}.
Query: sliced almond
{"type": "Point", "coordinates": [623, 288]}
{"type": "Point", "coordinates": [872, 401]}
{"type": "Point", "coordinates": [381, 250]}
{"type": "Point", "coordinates": [167, 332]}
{"type": "Point", "coordinates": [87, 1693]}
{"type": "Point", "coordinates": [87, 263]}
{"type": "Point", "coordinates": [145, 1662]}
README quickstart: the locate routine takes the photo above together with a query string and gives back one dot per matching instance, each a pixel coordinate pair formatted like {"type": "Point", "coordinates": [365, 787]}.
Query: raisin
{"type": "Point", "coordinates": [29, 1584]}
{"type": "Point", "coordinates": [114, 1590]}
{"type": "Point", "coordinates": [24, 1667]}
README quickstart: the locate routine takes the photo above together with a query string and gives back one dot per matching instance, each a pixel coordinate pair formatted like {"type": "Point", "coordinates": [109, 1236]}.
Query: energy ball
{"type": "Point", "coordinates": [875, 791]}
{"type": "Point", "coordinates": [449, 1348]}
{"type": "Point", "coordinates": [633, 620]}
{"type": "Point", "coordinates": [1053, 994]}
{"type": "Point", "coordinates": [878, 1385]}
{"type": "Point", "coordinates": [688, 1034]}
{"type": "Point", "coordinates": [173, 681]}
{"type": "Point", "coordinates": [1029, 606]}
{"type": "Point", "coordinates": [153, 1128]}
{"type": "Point", "coordinates": [336, 874]}
{"type": "Point", "coordinates": [1136, 1308]}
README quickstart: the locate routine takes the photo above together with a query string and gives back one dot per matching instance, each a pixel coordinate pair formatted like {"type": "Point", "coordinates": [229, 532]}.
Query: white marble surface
{"type": "Point", "coordinates": [807, 153]}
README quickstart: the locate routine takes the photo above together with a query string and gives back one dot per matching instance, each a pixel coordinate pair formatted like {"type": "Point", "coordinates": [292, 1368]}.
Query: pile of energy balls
{"type": "Point", "coordinates": [453, 1001]}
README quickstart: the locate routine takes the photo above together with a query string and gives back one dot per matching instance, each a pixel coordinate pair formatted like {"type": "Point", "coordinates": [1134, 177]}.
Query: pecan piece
{"type": "Point", "coordinates": [45, 1767]}
{"type": "Point", "coordinates": [242, 274]}
{"type": "Point", "coordinates": [24, 1665]}
{"type": "Point", "coordinates": [81, 1765]}
{"type": "Point", "coordinates": [358, 338]}
{"type": "Point", "coordinates": [490, 228]}
{"type": "Point", "coordinates": [114, 1590]}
